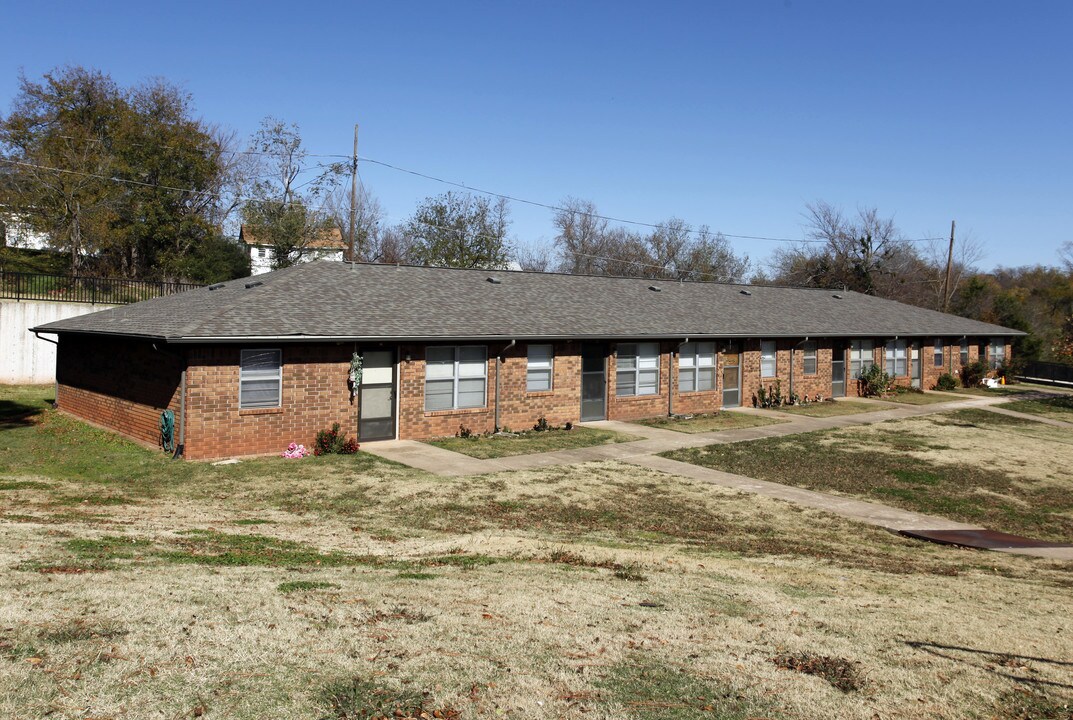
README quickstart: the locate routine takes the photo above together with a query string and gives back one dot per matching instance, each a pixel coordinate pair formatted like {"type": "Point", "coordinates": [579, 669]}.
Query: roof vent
{"type": "Point", "coordinates": [745, 292]}
{"type": "Point", "coordinates": [653, 288]}
{"type": "Point", "coordinates": [256, 283]}
{"type": "Point", "coordinates": [217, 286]}
{"type": "Point", "coordinates": [495, 281]}
{"type": "Point", "coordinates": [836, 296]}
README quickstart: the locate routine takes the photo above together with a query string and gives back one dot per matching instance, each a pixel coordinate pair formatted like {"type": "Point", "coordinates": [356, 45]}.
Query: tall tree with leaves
{"type": "Point", "coordinates": [283, 212]}
{"type": "Point", "coordinates": [57, 146]}
{"type": "Point", "coordinates": [126, 181]}
{"type": "Point", "coordinates": [460, 230]}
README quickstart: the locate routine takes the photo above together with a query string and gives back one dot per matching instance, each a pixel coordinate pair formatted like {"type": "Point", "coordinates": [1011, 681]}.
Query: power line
{"type": "Point", "coordinates": [159, 186]}
{"type": "Point", "coordinates": [559, 208]}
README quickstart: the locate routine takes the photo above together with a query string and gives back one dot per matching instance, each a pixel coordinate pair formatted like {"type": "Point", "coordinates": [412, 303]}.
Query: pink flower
{"type": "Point", "coordinates": [295, 451]}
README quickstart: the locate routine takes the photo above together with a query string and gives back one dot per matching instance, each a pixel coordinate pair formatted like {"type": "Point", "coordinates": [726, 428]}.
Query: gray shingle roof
{"type": "Point", "coordinates": [339, 301]}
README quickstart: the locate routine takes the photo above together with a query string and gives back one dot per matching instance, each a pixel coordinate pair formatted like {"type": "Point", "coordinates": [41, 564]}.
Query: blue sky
{"type": "Point", "coordinates": [733, 115]}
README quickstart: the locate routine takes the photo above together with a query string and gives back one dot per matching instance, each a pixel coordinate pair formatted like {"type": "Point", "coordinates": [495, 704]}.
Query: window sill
{"type": "Point", "coordinates": [539, 393]}
{"type": "Point", "coordinates": [260, 411]}
{"type": "Point", "coordinates": [687, 393]}
{"type": "Point", "coordinates": [639, 397]}
{"type": "Point", "coordinates": [456, 411]}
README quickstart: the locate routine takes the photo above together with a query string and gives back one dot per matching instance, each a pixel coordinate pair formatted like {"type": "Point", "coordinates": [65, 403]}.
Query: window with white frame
{"type": "Point", "coordinates": [455, 377]}
{"type": "Point", "coordinates": [768, 364]}
{"type": "Point", "coordinates": [808, 354]}
{"type": "Point", "coordinates": [897, 355]}
{"type": "Point", "coordinates": [696, 367]}
{"type": "Point", "coordinates": [964, 352]}
{"type": "Point", "coordinates": [938, 352]}
{"type": "Point", "coordinates": [260, 252]}
{"type": "Point", "coordinates": [260, 379]}
{"type": "Point", "coordinates": [861, 357]}
{"type": "Point", "coordinates": [538, 371]}
{"type": "Point", "coordinates": [996, 354]}
{"type": "Point", "coordinates": [637, 369]}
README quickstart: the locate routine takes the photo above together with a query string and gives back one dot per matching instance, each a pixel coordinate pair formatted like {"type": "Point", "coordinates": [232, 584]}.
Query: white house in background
{"type": "Point", "coordinates": [327, 245]}
{"type": "Point", "coordinates": [17, 233]}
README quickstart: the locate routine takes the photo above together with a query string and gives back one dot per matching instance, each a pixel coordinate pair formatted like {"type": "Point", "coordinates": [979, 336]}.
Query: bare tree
{"type": "Point", "coordinates": [582, 240]}
{"type": "Point", "coordinates": [534, 258]}
{"type": "Point", "coordinates": [369, 217]}
{"type": "Point", "coordinates": [866, 253]}
{"type": "Point", "coordinates": [968, 251]}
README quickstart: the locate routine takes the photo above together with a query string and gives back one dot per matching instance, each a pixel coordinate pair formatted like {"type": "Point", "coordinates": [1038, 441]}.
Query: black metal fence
{"type": "Point", "coordinates": [68, 288]}
{"type": "Point", "coordinates": [1048, 372]}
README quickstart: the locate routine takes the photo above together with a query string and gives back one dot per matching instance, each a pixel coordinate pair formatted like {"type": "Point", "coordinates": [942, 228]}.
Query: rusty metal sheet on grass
{"type": "Point", "coordinates": [981, 539]}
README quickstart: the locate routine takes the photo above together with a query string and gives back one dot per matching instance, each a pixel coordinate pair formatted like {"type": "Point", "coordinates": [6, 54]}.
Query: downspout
{"type": "Point", "coordinates": [670, 378]}
{"type": "Point", "coordinates": [56, 379]}
{"type": "Point", "coordinates": [180, 447]}
{"type": "Point", "coordinates": [499, 364]}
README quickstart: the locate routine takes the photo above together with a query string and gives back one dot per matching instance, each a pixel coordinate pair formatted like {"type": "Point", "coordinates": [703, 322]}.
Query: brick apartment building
{"type": "Point", "coordinates": [251, 365]}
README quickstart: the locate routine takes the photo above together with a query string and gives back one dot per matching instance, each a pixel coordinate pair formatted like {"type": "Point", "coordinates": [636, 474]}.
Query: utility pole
{"type": "Point", "coordinates": [354, 201]}
{"type": "Point", "coordinates": [949, 266]}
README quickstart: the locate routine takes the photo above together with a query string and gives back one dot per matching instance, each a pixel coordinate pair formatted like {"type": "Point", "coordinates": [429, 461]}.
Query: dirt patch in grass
{"type": "Point", "coordinates": [1033, 704]}
{"type": "Point", "coordinates": [831, 409]}
{"type": "Point", "coordinates": [971, 465]}
{"type": "Point", "coordinates": [304, 586]}
{"type": "Point", "coordinates": [842, 674]}
{"type": "Point", "coordinates": [532, 441]}
{"type": "Point", "coordinates": [709, 422]}
{"type": "Point", "coordinates": [360, 698]}
{"type": "Point", "coordinates": [82, 630]}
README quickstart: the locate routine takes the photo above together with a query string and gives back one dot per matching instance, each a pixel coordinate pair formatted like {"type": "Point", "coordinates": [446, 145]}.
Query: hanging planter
{"type": "Point", "coordinates": [354, 378]}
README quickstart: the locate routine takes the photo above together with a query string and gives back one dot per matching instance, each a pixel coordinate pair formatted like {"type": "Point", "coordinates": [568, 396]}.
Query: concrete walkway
{"type": "Point", "coordinates": [645, 452]}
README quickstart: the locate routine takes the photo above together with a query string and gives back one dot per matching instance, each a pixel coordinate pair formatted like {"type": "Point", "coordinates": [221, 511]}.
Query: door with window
{"type": "Point", "coordinates": [915, 365]}
{"type": "Point", "coordinates": [593, 381]}
{"type": "Point", "coordinates": [838, 370]}
{"type": "Point", "coordinates": [376, 403]}
{"type": "Point", "coordinates": [732, 376]}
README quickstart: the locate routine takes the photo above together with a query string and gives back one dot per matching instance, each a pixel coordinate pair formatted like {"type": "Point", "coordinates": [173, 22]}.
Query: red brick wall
{"type": "Point", "coordinates": [314, 395]}
{"type": "Point", "coordinates": [119, 384]}
{"type": "Point", "coordinates": [125, 384]}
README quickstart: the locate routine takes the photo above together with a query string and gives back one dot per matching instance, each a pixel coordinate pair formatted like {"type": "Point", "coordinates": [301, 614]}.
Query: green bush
{"type": "Point", "coordinates": [946, 381]}
{"type": "Point", "coordinates": [334, 442]}
{"type": "Point", "coordinates": [973, 373]}
{"type": "Point", "coordinates": [875, 383]}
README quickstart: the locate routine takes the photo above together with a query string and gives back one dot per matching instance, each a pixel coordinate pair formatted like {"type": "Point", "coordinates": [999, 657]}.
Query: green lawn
{"type": "Point", "coordinates": [830, 409]}
{"type": "Point", "coordinates": [526, 443]}
{"type": "Point", "coordinates": [972, 466]}
{"type": "Point", "coordinates": [910, 397]}
{"type": "Point", "coordinates": [709, 422]}
{"type": "Point", "coordinates": [1055, 408]}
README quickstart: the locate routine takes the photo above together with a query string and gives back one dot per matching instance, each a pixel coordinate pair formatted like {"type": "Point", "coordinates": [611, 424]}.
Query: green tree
{"type": "Point", "coordinates": [127, 181]}
{"type": "Point", "coordinates": [460, 230]}
{"type": "Point", "coordinates": [57, 148]}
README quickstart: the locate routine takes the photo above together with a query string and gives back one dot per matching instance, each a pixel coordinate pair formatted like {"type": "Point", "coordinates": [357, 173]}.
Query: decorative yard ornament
{"type": "Point", "coordinates": [354, 379]}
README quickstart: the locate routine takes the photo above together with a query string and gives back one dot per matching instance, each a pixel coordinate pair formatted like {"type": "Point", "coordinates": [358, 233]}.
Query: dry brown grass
{"type": "Point", "coordinates": [313, 589]}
